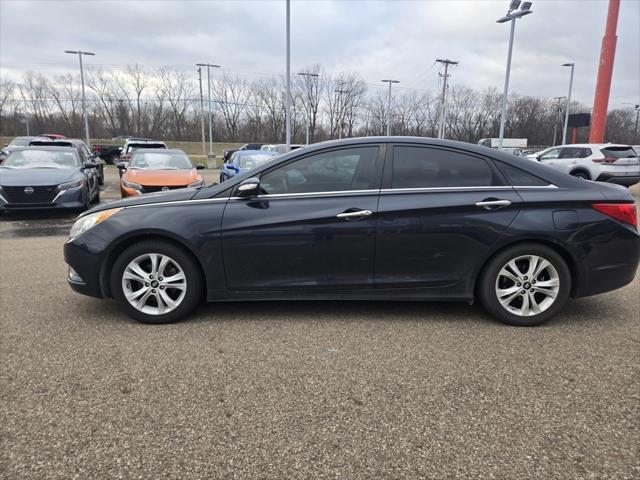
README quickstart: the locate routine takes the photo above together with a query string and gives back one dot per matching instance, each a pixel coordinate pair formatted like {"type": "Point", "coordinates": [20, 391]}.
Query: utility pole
{"type": "Point", "coordinates": [636, 107]}
{"type": "Point", "coordinates": [443, 101]}
{"type": "Point", "coordinates": [566, 111]}
{"type": "Point", "coordinates": [209, 66]}
{"type": "Point", "coordinates": [288, 94]}
{"type": "Point", "coordinates": [26, 113]}
{"type": "Point", "coordinates": [80, 53]}
{"type": "Point", "coordinates": [558, 119]}
{"type": "Point", "coordinates": [307, 84]}
{"type": "Point", "coordinates": [340, 107]}
{"type": "Point", "coordinates": [389, 105]}
{"type": "Point", "coordinates": [204, 148]}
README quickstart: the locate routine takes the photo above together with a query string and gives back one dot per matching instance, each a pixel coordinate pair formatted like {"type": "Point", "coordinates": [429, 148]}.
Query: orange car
{"type": "Point", "coordinates": [155, 170]}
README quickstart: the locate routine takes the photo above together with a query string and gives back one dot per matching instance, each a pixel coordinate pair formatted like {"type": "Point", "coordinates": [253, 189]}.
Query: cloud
{"type": "Point", "coordinates": [377, 39]}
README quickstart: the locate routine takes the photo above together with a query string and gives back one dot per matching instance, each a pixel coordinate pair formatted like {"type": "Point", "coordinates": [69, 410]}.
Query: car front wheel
{"type": "Point", "coordinates": [156, 282]}
{"type": "Point", "coordinates": [525, 285]}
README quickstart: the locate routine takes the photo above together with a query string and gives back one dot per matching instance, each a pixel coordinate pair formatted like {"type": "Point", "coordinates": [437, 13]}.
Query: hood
{"type": "Point", "coordinates": [148, 199]}
{"type": "Point", "coordinates": [161, 178]}
{"type": "Point", "coordinates": [18, 177]}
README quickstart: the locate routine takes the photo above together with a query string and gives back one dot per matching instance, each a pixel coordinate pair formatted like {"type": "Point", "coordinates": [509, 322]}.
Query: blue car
{"type": "Point", "coordinates": [243, 161]}
{"type": "Point", "coordinates": [43, 178]}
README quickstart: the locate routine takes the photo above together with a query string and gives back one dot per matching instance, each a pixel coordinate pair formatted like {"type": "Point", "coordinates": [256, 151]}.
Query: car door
{"type": "Point", "coordinates": [440, 212]}
{"type": "Point", "coordinates": [313, 226]}
{"type": "Point", "coordinates": [90, 174]}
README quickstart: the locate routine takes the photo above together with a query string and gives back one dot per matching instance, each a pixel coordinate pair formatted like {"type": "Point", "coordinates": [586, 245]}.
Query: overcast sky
{"type": "Point", "coordinates": [377, 39]}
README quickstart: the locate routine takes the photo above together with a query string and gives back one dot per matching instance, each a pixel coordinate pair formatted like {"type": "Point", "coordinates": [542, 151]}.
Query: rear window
{"type": "Point", "coordinates": [619, 152]}
{"type": "Point", "coordinates": [519, 177]}
{"type": "Point", "coordinates": [134, 146]}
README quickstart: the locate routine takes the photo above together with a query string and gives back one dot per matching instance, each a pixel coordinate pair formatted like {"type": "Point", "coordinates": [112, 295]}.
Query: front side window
{"type": "Point", "coordinates": [337, 170]}
{"type": "Point", "coordinates": [421, 167]}
{"type": "Point", "coordinates": [252, 160]}
{"type": "Point", "coordinates": [552, 154]}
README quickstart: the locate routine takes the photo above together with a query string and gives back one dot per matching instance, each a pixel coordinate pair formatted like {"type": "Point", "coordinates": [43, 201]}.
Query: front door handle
{"type": "Point", "coordinates": [352, 215]}
{"type": "Point", "coordinates": [493, 204]}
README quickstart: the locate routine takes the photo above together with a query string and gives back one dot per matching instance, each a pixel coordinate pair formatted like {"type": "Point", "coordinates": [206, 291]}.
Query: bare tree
{"type": "Point", "coordinates": [232, 94]}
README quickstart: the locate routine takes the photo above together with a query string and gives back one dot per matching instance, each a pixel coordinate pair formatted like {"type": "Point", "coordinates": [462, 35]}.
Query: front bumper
{"type": "Point", "coordinates": [84, 255]}
{"type": "Point", "coordinates": [74, 198]}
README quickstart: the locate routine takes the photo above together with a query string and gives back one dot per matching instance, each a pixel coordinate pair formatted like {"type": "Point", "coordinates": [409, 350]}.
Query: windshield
{"type": "Point", "coordinates": [161, 161]}
{"type": "Point", "coordinates": [41, 159]}
{"type": "Point", "coordinates": [253, 160]}
{"type": "Point", "coordinates": [20, 141]}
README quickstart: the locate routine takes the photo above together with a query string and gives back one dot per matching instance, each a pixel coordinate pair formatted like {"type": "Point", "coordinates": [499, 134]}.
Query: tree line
{"type": "Point", "coordinates": [166, 104]}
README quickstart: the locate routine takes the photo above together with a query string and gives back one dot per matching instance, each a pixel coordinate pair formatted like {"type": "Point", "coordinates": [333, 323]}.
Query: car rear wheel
{"type": "Point", "coordinates": [156, 282]}
{"type": "Point", "coordinates": [525, 285]}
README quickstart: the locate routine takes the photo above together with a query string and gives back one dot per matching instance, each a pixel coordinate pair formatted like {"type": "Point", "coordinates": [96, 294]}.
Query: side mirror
{"type": "Point", "coordinates": [200, 166]}
{"type": "Point", "coordinates": [89, 164]}
{"type": "Point", "coordinates": [248, 188]}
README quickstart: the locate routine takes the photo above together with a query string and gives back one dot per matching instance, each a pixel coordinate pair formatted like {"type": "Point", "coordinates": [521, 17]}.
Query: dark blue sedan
{"type": "Point", "coordinates": [43, 178]}
{"type": "Point", "coordinates": [379, 218]}
{"type": "Point", "coordinates": [244, 160]}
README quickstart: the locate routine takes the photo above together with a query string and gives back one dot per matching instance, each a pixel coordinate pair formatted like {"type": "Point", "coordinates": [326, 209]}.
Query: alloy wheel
{"type": "Point", "coordinates": [527, 285]}
{"type": "Point", "coordinates": [154, 283]}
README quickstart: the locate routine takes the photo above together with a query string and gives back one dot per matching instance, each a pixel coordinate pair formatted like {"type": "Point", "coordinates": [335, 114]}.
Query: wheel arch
{"type": "Point", "coordinates": [125, 242]}
{"type": "Point", "coordinates": [581, 170]}
{"type": "Point", "coordinates": [560, 249]}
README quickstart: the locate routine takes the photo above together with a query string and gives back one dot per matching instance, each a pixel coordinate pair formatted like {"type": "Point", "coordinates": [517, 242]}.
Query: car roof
{"type": "Point", "coordinates": [158, 150]}
{"type": "Point", "coordinates": [261, 152]}
{"type": "Point", "coordinates": [593, 145]}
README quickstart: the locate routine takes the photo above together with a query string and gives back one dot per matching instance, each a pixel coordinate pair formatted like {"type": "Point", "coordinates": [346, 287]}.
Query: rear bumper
{"type": "Point", "coordinates": [611, 265]}
{"type": "Point", "coordinates": [620, 179]}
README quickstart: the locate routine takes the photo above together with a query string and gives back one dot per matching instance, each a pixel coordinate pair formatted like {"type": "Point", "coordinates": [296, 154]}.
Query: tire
{"type": "Point", "coordinates": [96, 199]}
{"type": "Point", "coordinates": [101, 178]}
{"type": "Point", "coordinates": [180, 266]}
{"type": "Point", "coordinates": [221, 178]}
{"type": "Point", "coordinates": [581, 174]}
{"type": "Point", "coordinates": [556, 278]}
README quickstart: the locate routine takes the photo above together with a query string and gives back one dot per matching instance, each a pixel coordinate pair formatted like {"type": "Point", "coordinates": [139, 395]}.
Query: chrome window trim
{"type": "Point", "coordinates": [346, 192]}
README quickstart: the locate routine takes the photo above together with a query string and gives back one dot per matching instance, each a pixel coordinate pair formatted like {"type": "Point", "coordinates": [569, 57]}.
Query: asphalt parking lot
{"type": "Point", "coordinates": [316, 390]}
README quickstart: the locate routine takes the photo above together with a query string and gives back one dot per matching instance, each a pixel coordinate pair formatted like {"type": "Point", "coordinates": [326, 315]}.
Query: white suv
{"type": "Point", "coordinates": [602, 162]}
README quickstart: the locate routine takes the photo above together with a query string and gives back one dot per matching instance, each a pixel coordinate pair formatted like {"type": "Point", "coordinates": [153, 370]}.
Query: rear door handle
{"type": "Point", "coordinates": [493, 204]}
{"type": "Point", "coordinates": [358, 214]}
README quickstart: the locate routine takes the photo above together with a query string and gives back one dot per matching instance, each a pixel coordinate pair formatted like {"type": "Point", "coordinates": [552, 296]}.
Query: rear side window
{"type": "Point", "coordinates": [519, 177]}
{"type": "Point", "coordinates": [422, 167]}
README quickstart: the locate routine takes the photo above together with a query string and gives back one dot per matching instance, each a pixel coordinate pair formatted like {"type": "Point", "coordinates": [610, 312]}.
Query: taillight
{"type": "Point", "coordinates": [605, 160]}
{"type": "Point", "coordinates": [624, 212]}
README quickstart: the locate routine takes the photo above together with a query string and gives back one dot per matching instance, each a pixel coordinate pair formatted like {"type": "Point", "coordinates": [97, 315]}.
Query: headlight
{"type": "Point", "coordinates": [135, 186]}
{"type": "Point", "coordinates": [85, 223]}
{"type": "Point", "coordinates": [68, 185]}
{"type": "Point", "coordinates": [197, 183]}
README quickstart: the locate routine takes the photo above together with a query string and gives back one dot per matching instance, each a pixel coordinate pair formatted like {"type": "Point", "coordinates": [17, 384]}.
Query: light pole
{"type": "Point", "coordinates": [558, 119]}
{"type": "Point", "coordinates": [511, 16]}
{"type": "Point", "coordinates": [566, 108]}
{"type": "Point", "coordinates": [204, 148]}
{"type": "Point", "coordinates": [80, 53]}
{"type": "Point", "coordinates": [209, 67]}
{"type": "Point", "coordinates": [307, 84]}
{"type": "Point", "coordinates": [288, 94]}
{"type": "Point", "coordinates": [636, 107]}
{"type": "Point", "coordinates": [389, 105]}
